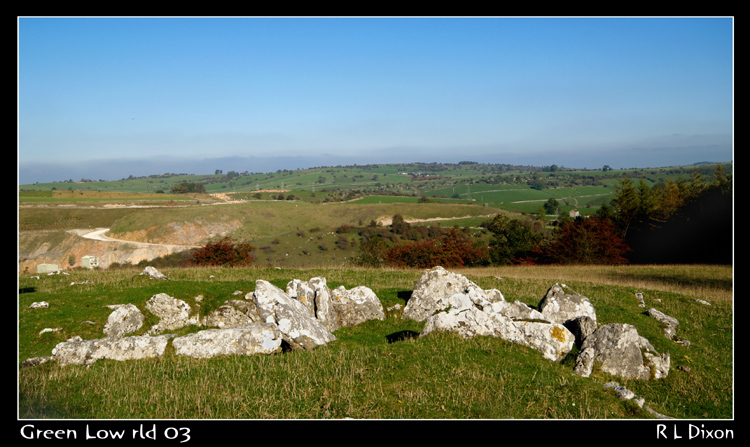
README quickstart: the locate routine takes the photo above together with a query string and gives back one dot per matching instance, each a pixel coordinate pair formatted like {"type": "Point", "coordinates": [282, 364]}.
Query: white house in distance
{"type": "Point", "coordinates": [574, 213]}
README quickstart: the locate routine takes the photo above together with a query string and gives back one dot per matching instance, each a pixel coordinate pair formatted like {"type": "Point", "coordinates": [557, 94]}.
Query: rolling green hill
{"type": "Point", "coordinates": [291, 216]}
{"type": "Point", "coordinates": [496, 185]}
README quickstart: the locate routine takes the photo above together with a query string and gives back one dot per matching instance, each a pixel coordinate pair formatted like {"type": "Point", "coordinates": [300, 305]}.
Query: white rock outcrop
{"type": "Point", "coordinates": [232, 313]}
{"type": "Point", "coordinates": [172, 313]}
{"type": "Point", "coordinates": [356, 305]}
{"type": "Point", "coordinates": [153, 273]}
{"type": "Point", "coordinates": [125, 320]}
{"type": "Point", "coordinates": [621, 351]}
{"type": "Point", "coordinates": [451, 302]}
{"type": "Point", "coordinates": [561, 307]}
{"type": "Point", "coordinates": [300, 328]}
{"type": "Point", "coordinates": [254, 338]}
{"type": "Point", "coordinates": [434, 284]}
{"type": "Point", "coordinates": [85, 352]}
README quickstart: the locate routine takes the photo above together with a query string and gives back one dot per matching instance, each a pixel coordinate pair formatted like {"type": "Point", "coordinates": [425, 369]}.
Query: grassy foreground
{"type": "Point", "coordinates": [364, 376]}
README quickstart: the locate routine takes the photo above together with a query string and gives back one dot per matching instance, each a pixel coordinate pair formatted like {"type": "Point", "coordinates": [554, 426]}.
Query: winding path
{"type": "Point", "coordinates": [98, 235]}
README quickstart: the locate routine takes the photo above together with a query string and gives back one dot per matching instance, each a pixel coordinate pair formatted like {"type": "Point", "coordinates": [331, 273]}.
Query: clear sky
{"type": "Point", "coordinates": [104, 98]}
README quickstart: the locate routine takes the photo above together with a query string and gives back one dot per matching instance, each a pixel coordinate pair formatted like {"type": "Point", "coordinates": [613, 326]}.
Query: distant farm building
{"type": "Point", "coordinates": [47, 268]}
{"type": "Point", "coordinates": [90, 262]}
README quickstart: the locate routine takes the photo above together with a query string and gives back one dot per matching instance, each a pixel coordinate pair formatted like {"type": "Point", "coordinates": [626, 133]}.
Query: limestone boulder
{"type": "Point", "coordinates": [433, 286]}
{"type": "Point", "coordinates": [517, 310]}
{"type": "Point", "coordinates": [659, 364]}
{"type": "Point", "coordinates": [317, 297]}
{"type": "Point", "coordinates": [233, 313]}
{"type": "Point", "coordinates": [303, 292]}
{"type": "Point", "coordinates": [669, 325]}
{"type": "Point", "coordinates": [641, 301]}
{"type": "Point", "coordinates": [172, 313]}
{"type": "Point", "coordinates": [356, 306]}
{"type": "Point", "coordinates": [663, 318]}
{"type": "Point", "coordinates": [472, 322]}
{"type": "Point", "coordinates": [125, 320]}
{"type": "Point", "coordinates": [581, 327]}
{"type": "Point", "coordinates": [471, 314]}
{"type": "Point", "coordinates": [619, 350]}
{"type": "Point", "coordinates": [324, 309]}
{"type": "Point", "coordinates": [86, 352]}
{"type": "Point", "coordinates": [301, 330]}
{"type": "Point", "coordinates": [447, 301]}
{"type": "Point", "coordinates": [153, 273]}
{"type": "Point", "coordinates": [553, 340]}
{"type": "Point", "coordinates": [560, 306]}
{"type": "Point", "coordinates": [251, 339]}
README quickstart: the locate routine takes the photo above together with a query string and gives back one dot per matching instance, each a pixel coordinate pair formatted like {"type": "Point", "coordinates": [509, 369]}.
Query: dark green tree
{"type": "Point", "coordinates": [512, 241]}
{"type": "Point", "coordinates": [551, 206]}
{"type": "Point", "coordinates": [626, 204]}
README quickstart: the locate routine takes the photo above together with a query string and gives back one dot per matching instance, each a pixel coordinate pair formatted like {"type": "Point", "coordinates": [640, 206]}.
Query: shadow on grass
{"type": "Point", "coordinates": [401, 336]}
{"type": "Point", "coordinates": [678, 279]}
{"type": "Point", "coordinates": [404, 295]}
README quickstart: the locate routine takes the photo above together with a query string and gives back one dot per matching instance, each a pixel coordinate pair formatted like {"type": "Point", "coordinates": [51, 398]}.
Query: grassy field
{"type": "Point", "coordinates": [502, 186]}
{"type": "Point", "coordinates": [259, 219]}
{"type": "Point", "coordinates": [363, 376]}
{"type": "Point", "coordinates": [79, 196]}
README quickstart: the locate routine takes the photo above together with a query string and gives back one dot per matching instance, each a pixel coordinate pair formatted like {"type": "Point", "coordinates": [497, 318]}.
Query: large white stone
{"type": "Point", "coordinates": [301, 329]}
{"type": "Point", "coordinates": [434, 285]}
{"type": "Point", "coordinates": [255, 338]}
{"type": "Point", "coordinates": [125, 319]}
{"type": "Point", "coordinates": [356, 306]}
{"type": "Point", "coordinates": [172, 313]}
{"type": "Point", "coordinates": [86, 352]}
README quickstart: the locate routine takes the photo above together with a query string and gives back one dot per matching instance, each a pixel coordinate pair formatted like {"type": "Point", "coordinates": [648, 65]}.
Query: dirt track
{"type": "Point", "coordinates": [98, 235]}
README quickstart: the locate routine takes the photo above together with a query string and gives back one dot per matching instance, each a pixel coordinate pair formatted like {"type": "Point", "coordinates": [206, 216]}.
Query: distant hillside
{"type": "Point", "coordinates": [503, 186]}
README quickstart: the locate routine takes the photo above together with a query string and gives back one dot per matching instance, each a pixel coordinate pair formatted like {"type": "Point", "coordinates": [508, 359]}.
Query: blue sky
{"type": "Point", "coordinates": [104, 98]}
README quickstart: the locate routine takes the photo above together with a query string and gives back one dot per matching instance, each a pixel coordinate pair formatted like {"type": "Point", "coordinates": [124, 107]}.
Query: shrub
{"type": "Point", "coordinates": [344, 229]}
{"type": "Point", "coordinates": [223, 252]}
{"type": "Point", "coordinates": [342, 243]}
{"type": "Point", "coordinates": [372, 251]}
{"type": "Point", "coordinates": [451, 249]}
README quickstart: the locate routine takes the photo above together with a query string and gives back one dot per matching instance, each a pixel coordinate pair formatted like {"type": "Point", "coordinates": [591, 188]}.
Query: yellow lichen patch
{"type": "Point", "coordinates": [558, 334]}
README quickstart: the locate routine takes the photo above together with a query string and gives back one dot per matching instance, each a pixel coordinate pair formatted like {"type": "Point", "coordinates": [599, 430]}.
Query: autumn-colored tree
{"type": "Point", "coordinates": [451, 249]}
{"type": "Point", "coordinates": [223, 252]}
{"type": "Point", "coordinates": [372, 251]}
{"type": "Point", "coordinates": [585, 241]}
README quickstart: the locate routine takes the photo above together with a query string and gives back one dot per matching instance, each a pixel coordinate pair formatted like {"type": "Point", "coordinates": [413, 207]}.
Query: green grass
{"type": "Point", "coordinates": [361, 375]}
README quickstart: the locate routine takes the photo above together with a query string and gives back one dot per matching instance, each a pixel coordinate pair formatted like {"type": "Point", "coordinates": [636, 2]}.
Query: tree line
{"type": "Point", "coordinates": [682, 221]}
{"type": "Point", "coordinates": [188, 187]}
